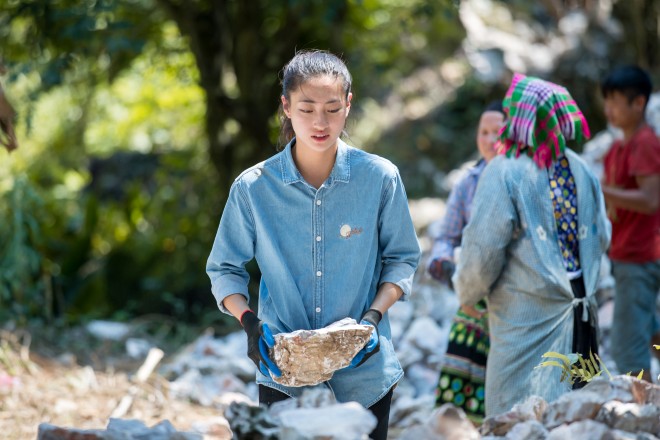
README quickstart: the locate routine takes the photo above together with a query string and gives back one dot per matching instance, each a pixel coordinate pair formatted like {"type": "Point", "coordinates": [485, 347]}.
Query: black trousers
{"type": "Point", "coordinates": [585, 336]}
{"type": "Point", "coordinates": [380, 409]}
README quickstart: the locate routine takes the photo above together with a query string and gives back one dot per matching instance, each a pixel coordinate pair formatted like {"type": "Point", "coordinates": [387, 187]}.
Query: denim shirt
{"type": "Point", "coordinates": [322, 253]}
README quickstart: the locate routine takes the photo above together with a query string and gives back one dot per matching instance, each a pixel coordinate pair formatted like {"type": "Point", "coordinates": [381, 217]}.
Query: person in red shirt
{"type": "Point", "coordinates": [631, 189]}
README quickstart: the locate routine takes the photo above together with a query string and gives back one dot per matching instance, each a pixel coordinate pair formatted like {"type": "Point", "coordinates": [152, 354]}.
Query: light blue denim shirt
{"type": "Point", "coordinates": [322, 253]}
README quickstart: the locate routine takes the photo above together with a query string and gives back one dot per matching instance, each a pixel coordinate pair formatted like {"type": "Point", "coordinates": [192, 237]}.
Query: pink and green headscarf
{"type": "Point", "coordinates": [541, 117]}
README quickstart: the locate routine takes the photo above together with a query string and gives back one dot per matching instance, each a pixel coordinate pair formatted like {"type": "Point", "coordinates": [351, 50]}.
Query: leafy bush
{"type": "Point", "coordinates": [22, 290]}
{"type": "Point", "coordinates": [575, 367]}
{"type": "Point", "coordinates": [136, 245]}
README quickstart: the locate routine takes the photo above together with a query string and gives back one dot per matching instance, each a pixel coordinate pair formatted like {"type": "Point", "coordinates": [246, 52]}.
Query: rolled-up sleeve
{"type": "Point", "coordinates": [232, 249]}
{"type": "Point", "coordinates": [397, 238]}
{"type": "Point", "coordinates": [486, 237]}
{"type": "Point", "coordinates": [452, 224]}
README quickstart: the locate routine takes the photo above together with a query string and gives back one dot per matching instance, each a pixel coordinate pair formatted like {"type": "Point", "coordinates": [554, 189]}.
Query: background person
{"type": "Point", "coordinates": [632, 193]}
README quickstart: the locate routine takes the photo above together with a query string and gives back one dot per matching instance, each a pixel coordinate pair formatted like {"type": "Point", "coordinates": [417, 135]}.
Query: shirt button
{"type": "Point", "coordinates": [318, 310]}
{"type": "Point", "coordinates": [318, 273]}
{"type": "Point", "coordinates": [318, 238]}
{"type": "Point", "coordinates": [318, 202]}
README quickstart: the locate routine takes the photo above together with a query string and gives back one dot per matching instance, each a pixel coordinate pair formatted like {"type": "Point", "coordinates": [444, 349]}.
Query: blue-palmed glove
{"type": "Point", "coordinates": [259, 339]}
{"type": "Point", "coordinates": [372, 317]}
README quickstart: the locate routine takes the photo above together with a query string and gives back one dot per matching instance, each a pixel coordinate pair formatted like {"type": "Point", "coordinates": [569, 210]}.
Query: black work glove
{"type": "Point", "coordinates": [372, 317]}
{"type": "Point", "coordinates": [442, 270]}
{"type": "Point", "coordinates": [259, 339]}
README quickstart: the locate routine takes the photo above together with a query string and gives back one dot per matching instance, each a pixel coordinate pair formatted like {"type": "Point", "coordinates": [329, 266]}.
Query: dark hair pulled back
{"type": "Point", "coordinates": [305, 65]}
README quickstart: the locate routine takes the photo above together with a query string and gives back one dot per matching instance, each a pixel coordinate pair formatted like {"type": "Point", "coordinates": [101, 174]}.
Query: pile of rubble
{"type": "Point", "coordinates": [215, 373]}
{"type": "Point", "coordinates": [620, 408]}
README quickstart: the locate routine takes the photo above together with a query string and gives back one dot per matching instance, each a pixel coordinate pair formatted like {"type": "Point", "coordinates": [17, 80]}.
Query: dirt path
{"type": "Point", "coordinates": [36, 390]}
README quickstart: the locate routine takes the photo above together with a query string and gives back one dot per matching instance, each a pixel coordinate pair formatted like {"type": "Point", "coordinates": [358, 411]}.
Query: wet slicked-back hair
{"type": "Point", "coordinates": [631, 81]}
{"type": "Point", "coordinates": [305, 65]}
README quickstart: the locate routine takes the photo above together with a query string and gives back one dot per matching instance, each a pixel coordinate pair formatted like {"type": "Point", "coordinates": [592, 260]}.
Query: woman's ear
{"type": "Point", "coordinates": [286, 107]}
{"type": "Point", "coordinates": [349, 97]}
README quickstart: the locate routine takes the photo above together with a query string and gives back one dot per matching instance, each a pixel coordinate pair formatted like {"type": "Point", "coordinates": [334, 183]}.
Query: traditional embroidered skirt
{"type": "Point", "coordinates": [463, 374]}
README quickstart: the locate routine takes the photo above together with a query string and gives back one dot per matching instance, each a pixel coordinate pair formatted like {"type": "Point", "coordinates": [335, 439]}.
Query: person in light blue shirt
{"type": "Point", "coordinates": [330, 228]}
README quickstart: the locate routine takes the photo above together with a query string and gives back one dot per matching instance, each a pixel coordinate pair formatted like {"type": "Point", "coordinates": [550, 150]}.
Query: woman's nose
{"type": "Point", "coordinates": [321, 121]}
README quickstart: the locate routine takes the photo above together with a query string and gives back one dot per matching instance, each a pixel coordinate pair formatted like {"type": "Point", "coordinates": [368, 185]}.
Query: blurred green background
{"type": "Point", "coordinates": [134, 117]}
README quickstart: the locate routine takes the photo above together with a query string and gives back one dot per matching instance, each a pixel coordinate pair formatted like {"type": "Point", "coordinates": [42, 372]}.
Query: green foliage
{"type": "Point", "coordinates": [57, 38]}
{"type": "Point", "coordinates": [138, 247]}
{"type": "Point", "coordinates": [142, 251]}
{"type": "Point", "coordinates": [575, 367]}
{"type": "Point", "coordinates": [21, 283]}
{"type": "Point", "coordinates": [154, 239]}
{"type": "Point", "coordinates": [389, 40]}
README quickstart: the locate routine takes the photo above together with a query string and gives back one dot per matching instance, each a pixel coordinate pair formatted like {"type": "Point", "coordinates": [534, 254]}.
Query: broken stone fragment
{"type": "Point", "coordinates": [309, 357]}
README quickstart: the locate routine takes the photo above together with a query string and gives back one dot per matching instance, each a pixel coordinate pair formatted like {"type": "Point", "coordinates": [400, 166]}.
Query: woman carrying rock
{"type": "Point", "coordinates": [330, 229]}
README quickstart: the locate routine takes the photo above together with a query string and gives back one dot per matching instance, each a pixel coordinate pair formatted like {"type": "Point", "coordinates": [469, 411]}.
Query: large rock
{"type": "Point", "coordinates": [309, 357]}
{"type": "Point", "coordinates": [118, 429]}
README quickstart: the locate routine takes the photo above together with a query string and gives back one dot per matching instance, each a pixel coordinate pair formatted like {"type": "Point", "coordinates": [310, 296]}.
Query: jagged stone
{"type": "Point", "coordinates": [630, 417]}
{"type": "Point", "coordinates": [527, 430]}
{"type": "Point", "coordinates": [532, 409]}
{"type": "Point", "coordinates": [572, 407]}
{"type": "Point", "coordinates": [118, 429]}
{"type": "Point", "coordinates": [309, 357]}
{"type": "Point", "coordinates": [582, 430]}
{"type": "Point", "coordinates": [340, 421]}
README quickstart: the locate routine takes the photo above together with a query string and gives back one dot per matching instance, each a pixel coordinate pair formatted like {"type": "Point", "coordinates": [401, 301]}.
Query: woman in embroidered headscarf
{"type": "Point", "coordinates": [533, 246]}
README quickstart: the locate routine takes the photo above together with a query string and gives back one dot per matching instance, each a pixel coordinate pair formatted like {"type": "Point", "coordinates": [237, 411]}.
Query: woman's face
{"type": "Point", "coordinates": [490, 124]}
{"type": "Point", "coordinates": [318, 111]}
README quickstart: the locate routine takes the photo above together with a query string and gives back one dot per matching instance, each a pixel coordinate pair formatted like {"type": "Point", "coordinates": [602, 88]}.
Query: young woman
{"type": "Point", "coordinates": [330, 229]}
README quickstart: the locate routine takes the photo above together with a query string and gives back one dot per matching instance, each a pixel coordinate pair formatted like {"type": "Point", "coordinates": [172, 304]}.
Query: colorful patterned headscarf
{"type": "Point", "coordinates": [541, 117]}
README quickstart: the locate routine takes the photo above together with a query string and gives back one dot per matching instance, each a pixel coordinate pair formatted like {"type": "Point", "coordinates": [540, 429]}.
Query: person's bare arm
{"type": "Point", "coordinates": [236, 304]}
{"type": "Point", "coordinates": [645, 199]}
{"type": "Point", "coordinates": [387, 295]}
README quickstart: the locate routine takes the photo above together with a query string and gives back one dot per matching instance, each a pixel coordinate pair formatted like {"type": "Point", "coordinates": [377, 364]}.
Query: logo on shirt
{"type": "Point", "coordinates": [346, 231]}
{"type": "Point", "coordinates": [542, 234]}
{"type": "Point", "coordinates": [583, 232]}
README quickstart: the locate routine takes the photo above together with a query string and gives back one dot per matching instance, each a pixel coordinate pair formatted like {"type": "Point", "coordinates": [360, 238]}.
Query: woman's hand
{"type": "Point", "coordinates": [472, 312]}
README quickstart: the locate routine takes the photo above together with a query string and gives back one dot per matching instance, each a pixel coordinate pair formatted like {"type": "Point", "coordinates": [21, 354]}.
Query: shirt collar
{"type": "Point", "coordinates": [478, 167]}
{"type": "Point", "coordinates": [341, 171]}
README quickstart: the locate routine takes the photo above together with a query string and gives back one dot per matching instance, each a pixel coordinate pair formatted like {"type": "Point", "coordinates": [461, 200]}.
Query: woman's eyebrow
{"type": "Point", "coordinates": [311, 101]}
